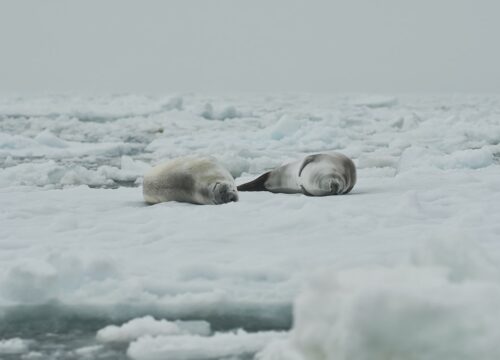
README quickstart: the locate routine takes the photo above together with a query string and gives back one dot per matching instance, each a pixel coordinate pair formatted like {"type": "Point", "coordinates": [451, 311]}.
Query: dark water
{"type": "Point", "coordinates": [56, 331]}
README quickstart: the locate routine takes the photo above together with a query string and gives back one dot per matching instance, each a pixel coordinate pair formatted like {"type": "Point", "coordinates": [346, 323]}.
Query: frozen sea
{"type": "Point", "coordinates": [405, 267]}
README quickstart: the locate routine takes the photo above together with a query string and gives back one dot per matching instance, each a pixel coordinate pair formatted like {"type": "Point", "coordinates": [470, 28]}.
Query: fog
{"type": "Point", "coordinates": [257, 46]}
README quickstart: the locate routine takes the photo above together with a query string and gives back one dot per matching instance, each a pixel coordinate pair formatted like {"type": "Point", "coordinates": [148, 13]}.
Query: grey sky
{"type": "Point", "coordinates": [232, 45]}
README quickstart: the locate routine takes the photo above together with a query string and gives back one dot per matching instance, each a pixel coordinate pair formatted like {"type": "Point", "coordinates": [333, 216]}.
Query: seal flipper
{"type": "Point", "coordinates": [255, 185]}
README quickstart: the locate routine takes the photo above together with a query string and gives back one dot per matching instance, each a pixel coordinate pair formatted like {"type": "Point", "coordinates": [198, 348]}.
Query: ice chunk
{"type": "Point", "coordinates": [36, 281]}
{"type": "Point", "coordinates": [174, 103]}
{"type": "Point", "coordinates": [13, 346]}
{"type": "Point", "coordinates": [150, 326]}
{"type": "Point", "coordinates": [227, 112]}
{"type": "Point", "coordinates": [285, 126]}
{"type": "Point", "coordinates": [195, 347]}
{"type": "Point", "coordinates": [11, 142]}
{"type": "Point", "coordinates": [31, 281]}
{"type": "Point", "coordinates": [431, 309]}
{"type": "Point", "coordinates": [48, 139]}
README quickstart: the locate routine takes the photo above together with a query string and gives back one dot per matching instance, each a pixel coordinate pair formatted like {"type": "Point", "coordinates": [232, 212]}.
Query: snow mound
{"type": "Point", "coordinates": [13, 346]}
{"type": "Point", "coordinates": [227, 112]}
{"type": "Point", "coordinates": [437, 306]}
{"type": "Point", "coordinates": [195, 347]}
{"type": "Point", "coordinates": [148, 325]}
{"type": "Point", "coordinates": [36, 281]}
{"type": "Point", "coordinates": [130, 170]}
{"type": "Point", "coordinates": [286, 126]}
{"type": "Point", "coordinates": [89, 352]}
{"type": "Point", "coordinates": [48, 139]}
{"type": "Point", "coordinates": [174, 103]}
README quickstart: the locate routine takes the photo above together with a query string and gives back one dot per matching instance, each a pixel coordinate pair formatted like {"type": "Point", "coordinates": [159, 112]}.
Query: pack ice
{"type": "Point", "coordinates": [404, 267]}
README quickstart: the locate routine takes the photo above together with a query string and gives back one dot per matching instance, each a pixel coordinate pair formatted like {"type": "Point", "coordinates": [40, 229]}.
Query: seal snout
{"type": "Point", "coordinates": [334, 187]}
{"type": "Point", "coordinates": [330, 185]}
{"type": "Point", "coordinates": [231, 196]}
{"type": "Point", "coordinates": [223, 193]}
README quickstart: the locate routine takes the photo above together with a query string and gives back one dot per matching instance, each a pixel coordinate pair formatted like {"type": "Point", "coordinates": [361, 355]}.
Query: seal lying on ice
{"type": "Point", "coordinates": [197, 180]}
{"type": "Point", "coordinates": [316, 175]}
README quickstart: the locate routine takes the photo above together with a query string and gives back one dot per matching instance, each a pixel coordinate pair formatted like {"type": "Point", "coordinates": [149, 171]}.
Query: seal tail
{"type": "Point", "coordinates": [255, 185]}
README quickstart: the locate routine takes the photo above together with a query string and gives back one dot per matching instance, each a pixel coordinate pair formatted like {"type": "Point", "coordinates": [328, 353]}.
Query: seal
{"type": "Point", "coordinates": [197, 180]}
{"type": "Point", "coordinates": [315, 175]}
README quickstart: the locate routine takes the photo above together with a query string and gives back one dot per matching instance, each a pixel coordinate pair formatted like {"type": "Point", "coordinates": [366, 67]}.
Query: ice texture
{"type": "Point", "coordinates": [147, 325]}
{"type": "Point", "coordinates": [438, 305]}
{"type": "Point", "coordinates": [13, 346]}
{"type": "Point", "coordinates": [403, 266]}
{"type": "Point", "coordinates": [190, 347]}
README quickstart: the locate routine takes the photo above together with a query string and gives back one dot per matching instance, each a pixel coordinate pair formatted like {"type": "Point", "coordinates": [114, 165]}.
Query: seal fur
{"type": "Point", "coordinates": [197, 180]}
{"type": "Point", "coordinates": [315, 175]}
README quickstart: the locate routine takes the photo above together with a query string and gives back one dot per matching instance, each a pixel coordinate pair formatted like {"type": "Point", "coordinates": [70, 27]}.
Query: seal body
{"type": "Point", "coordinates": [197, 180]}
{"type": "Point", "coordinates": [315, 175]}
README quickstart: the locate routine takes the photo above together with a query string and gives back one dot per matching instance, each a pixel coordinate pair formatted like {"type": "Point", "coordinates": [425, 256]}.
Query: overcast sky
{"type": "Point", "coordinates": [103, 46]}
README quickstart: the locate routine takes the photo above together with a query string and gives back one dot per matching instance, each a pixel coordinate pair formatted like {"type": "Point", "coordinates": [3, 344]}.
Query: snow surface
{"type": "Point", "coordinates": [147, 325]}
{"type": "Point", "coordinates": [440, 305]}
{"type": "Point", "coordinates": [404, 266]}
{"type": "Point", "coordinates": [193, 347]}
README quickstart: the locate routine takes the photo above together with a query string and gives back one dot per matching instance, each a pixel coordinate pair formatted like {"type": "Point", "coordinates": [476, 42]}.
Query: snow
{"type": "Point", "coordinates": [228, 112]}
{"type": "Point", "coordinates": [414, 157]}
{"type": "Point", "coordinates": [437, 306]}
{"type": "Point", "coordinates": [147, 325]}
{"type": "Point", "coordinates": [88, 351]}
{"type": "Point", "coordinates": [192, 347]}
{"type": "Point", "coordinates": [406, 261]}
{"type": "Point", "coordinates": [285, 126]}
